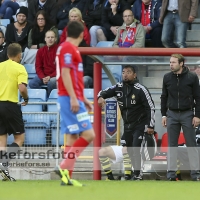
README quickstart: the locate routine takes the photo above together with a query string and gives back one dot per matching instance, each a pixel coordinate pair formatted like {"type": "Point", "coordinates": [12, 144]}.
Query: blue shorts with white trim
{"type": "Point", "coordinates": [73, 123]}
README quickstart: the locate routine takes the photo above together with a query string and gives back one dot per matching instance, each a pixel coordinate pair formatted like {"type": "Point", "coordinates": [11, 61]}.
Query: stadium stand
{"type": "Point", "coordinates": [10, 139]}
{"type": "Point", "coordinates": [52, 107]}
{"type": "Point", "coordinates": [106, 82]}
{"type": "Point", "coordinates": [30, 68]}
{"type": "Point", "coordinates": [36, 124]}
{"type": "Point", "coordinates": [35, 95]}
{"type": "Point", "coordinates": [53, 118]}
{"type": "Point", "coordinates": [4, 22]}
{"type": "Point", "coordinates": [116, 70]}
{"type": "Point", "coordinates": [89, 94]}
{"type": "Point", "coordinates": [105, 44]}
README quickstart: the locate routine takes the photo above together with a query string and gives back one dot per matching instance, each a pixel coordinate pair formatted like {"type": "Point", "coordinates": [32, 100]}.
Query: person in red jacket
{"type": "Point", "coordinates": [45, 65]}
{"type": "Point", "coordinates": [75, 15]}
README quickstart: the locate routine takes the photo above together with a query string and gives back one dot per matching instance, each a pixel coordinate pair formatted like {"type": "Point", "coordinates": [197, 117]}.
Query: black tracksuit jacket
{"type": "Point", "coordinates": [135, 102]}
{"type": "Point", "coordinates": [180, 92]}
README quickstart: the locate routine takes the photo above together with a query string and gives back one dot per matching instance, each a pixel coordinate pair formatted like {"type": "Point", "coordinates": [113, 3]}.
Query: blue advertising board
{"type": "Point", "coordinates": [111, 117]}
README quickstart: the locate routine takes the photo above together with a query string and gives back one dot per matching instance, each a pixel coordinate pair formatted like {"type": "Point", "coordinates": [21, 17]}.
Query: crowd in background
{"type": "Point", "coordinates": [129, 23]}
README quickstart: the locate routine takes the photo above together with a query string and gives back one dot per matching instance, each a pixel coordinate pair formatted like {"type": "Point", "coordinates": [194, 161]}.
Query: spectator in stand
{"type": "Point", "coordinates": [176, 16]}
{"type": "Point", "coordinates": [45, 64]}
{"type": "Point", "coordinates": [75, 15]}
{"type": "Point", "coordinates": [63, 12]}
{"type": "Point", "coordinates": [131, 33]}
{"type": "Point", "coordinates": [49, 6]}
{"type": "Point", "coordinates": [148, 12]}
{"type": "Point", "coordinates": [92, 17]}
{"type": "Point", "coordinates": [8, 8]}
{"type": "Point", "coordinates": [3, 48]}
{"type": "Point", "coordinates": [18, 32]}
{"type": "Point", "coordinates": [36, 37]}
{"type": "Point", "coordinates": [112, 19]}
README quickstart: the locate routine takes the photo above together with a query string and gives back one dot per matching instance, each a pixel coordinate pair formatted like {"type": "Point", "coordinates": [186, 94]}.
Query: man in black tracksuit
{"type": "Point", "coordinates": [180, 95]}
{"type": "Point", "coordinates": [138, 112]}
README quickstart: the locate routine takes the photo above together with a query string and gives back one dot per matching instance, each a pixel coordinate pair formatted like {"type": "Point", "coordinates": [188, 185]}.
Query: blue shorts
{"type": "Point", "coordinates": [73, 123]}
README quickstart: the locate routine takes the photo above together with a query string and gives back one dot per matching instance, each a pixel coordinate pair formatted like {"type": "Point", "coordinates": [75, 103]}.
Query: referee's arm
{"type": "Point", "coordinates": [24, 93]}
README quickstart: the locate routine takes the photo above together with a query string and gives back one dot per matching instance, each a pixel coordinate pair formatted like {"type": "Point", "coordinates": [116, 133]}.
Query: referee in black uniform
{"type": "Point", "coordinates": [13, 77]}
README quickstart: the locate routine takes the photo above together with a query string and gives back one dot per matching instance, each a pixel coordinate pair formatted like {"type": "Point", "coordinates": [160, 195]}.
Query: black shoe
{"type": "Point", "coordinates": [110, 177]}
{"type": "Point", "coordinates": [5, 173]}
{"type": "Point", "coordinates": [127, 177]}
{"type": "Point", "coordinates": [178, 176]}
{"type": "Point", "coordinates": [137, 178]}
{"type": "Point", "coordinates": [12, 179]}
{"type": "Point", "coordinates": [172, 179]}
{"type": "Point", "coordinates": [118, 178]}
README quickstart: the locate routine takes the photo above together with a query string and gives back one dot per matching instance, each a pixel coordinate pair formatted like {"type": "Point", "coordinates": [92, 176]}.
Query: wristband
{"type": "Point", "coordinates": [26, 100]}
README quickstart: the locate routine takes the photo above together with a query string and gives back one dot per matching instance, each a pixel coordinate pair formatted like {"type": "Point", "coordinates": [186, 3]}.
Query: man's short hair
{"type": "Point", "coordinates": [74, 29]}
{"type": "Point", "coordinates": [14, 49]}
{"type": "Point", "coordinates": [50, 31]}
{"type": "Point", "coordinates": [180, 58]}
{"type": "Point", "coordinates": [131, 67]}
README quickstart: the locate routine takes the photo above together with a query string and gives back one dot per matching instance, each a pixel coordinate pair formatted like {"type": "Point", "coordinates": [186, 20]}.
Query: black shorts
{"type": "Point", "coordinates": [11, 121]}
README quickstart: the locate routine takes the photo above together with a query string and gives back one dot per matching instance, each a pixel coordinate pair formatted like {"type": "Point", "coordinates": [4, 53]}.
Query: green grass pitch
{"type": "Point", "coordinates": [100, 190]}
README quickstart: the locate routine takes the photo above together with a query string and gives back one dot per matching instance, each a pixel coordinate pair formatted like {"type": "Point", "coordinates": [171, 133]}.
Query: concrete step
{"type": "Point", "coordinates": [196, 24]}
{"type": "Point", "coordinates": [152, 82]}
{"type": "Point", "coordinates": [193, 36]}
{"type": "Point", "coordinates": [193, 44]}
{"type": "Point", "coordinates": [159, 68]}
{"type": "Point", "coordinates": [156, 98]}
{"type": "Point", "coordinates": [155, 91]}
{"type": "Point", "coordinates": [158, 71]}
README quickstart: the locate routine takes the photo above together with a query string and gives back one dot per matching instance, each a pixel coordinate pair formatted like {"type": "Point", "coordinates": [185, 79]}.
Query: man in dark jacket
{"type": "Point", "coordinates": [112, 17]}
{"type": "Point", "coordinates": [180, 95]}
{"type": "Point", "coordinates": [18, 31]}
{"type": "Point", "coordinates": [63, 12]}
{"type": "Point", "coordinates": [92, 13]}
{"type": "Point", "coordinates": [49, 6]}
{"type": "Point", "coordinates": [148, 12]}
{"type": "Point", "coordinates": [92, 17]}
{"type": "Point", "coordinates": [137, 110]}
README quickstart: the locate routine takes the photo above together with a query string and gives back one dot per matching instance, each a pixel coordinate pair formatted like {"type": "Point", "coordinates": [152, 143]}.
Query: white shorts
{"type": "Point", "coordinates": [118, 154]}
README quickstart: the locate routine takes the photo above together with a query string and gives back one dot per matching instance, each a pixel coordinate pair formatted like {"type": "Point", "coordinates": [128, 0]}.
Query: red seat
{"type": "Point", "coordinates": [164, 141]}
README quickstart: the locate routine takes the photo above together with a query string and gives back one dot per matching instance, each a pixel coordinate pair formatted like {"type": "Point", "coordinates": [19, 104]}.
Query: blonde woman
{"type": "Point", "coordinates": [75, 15]}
